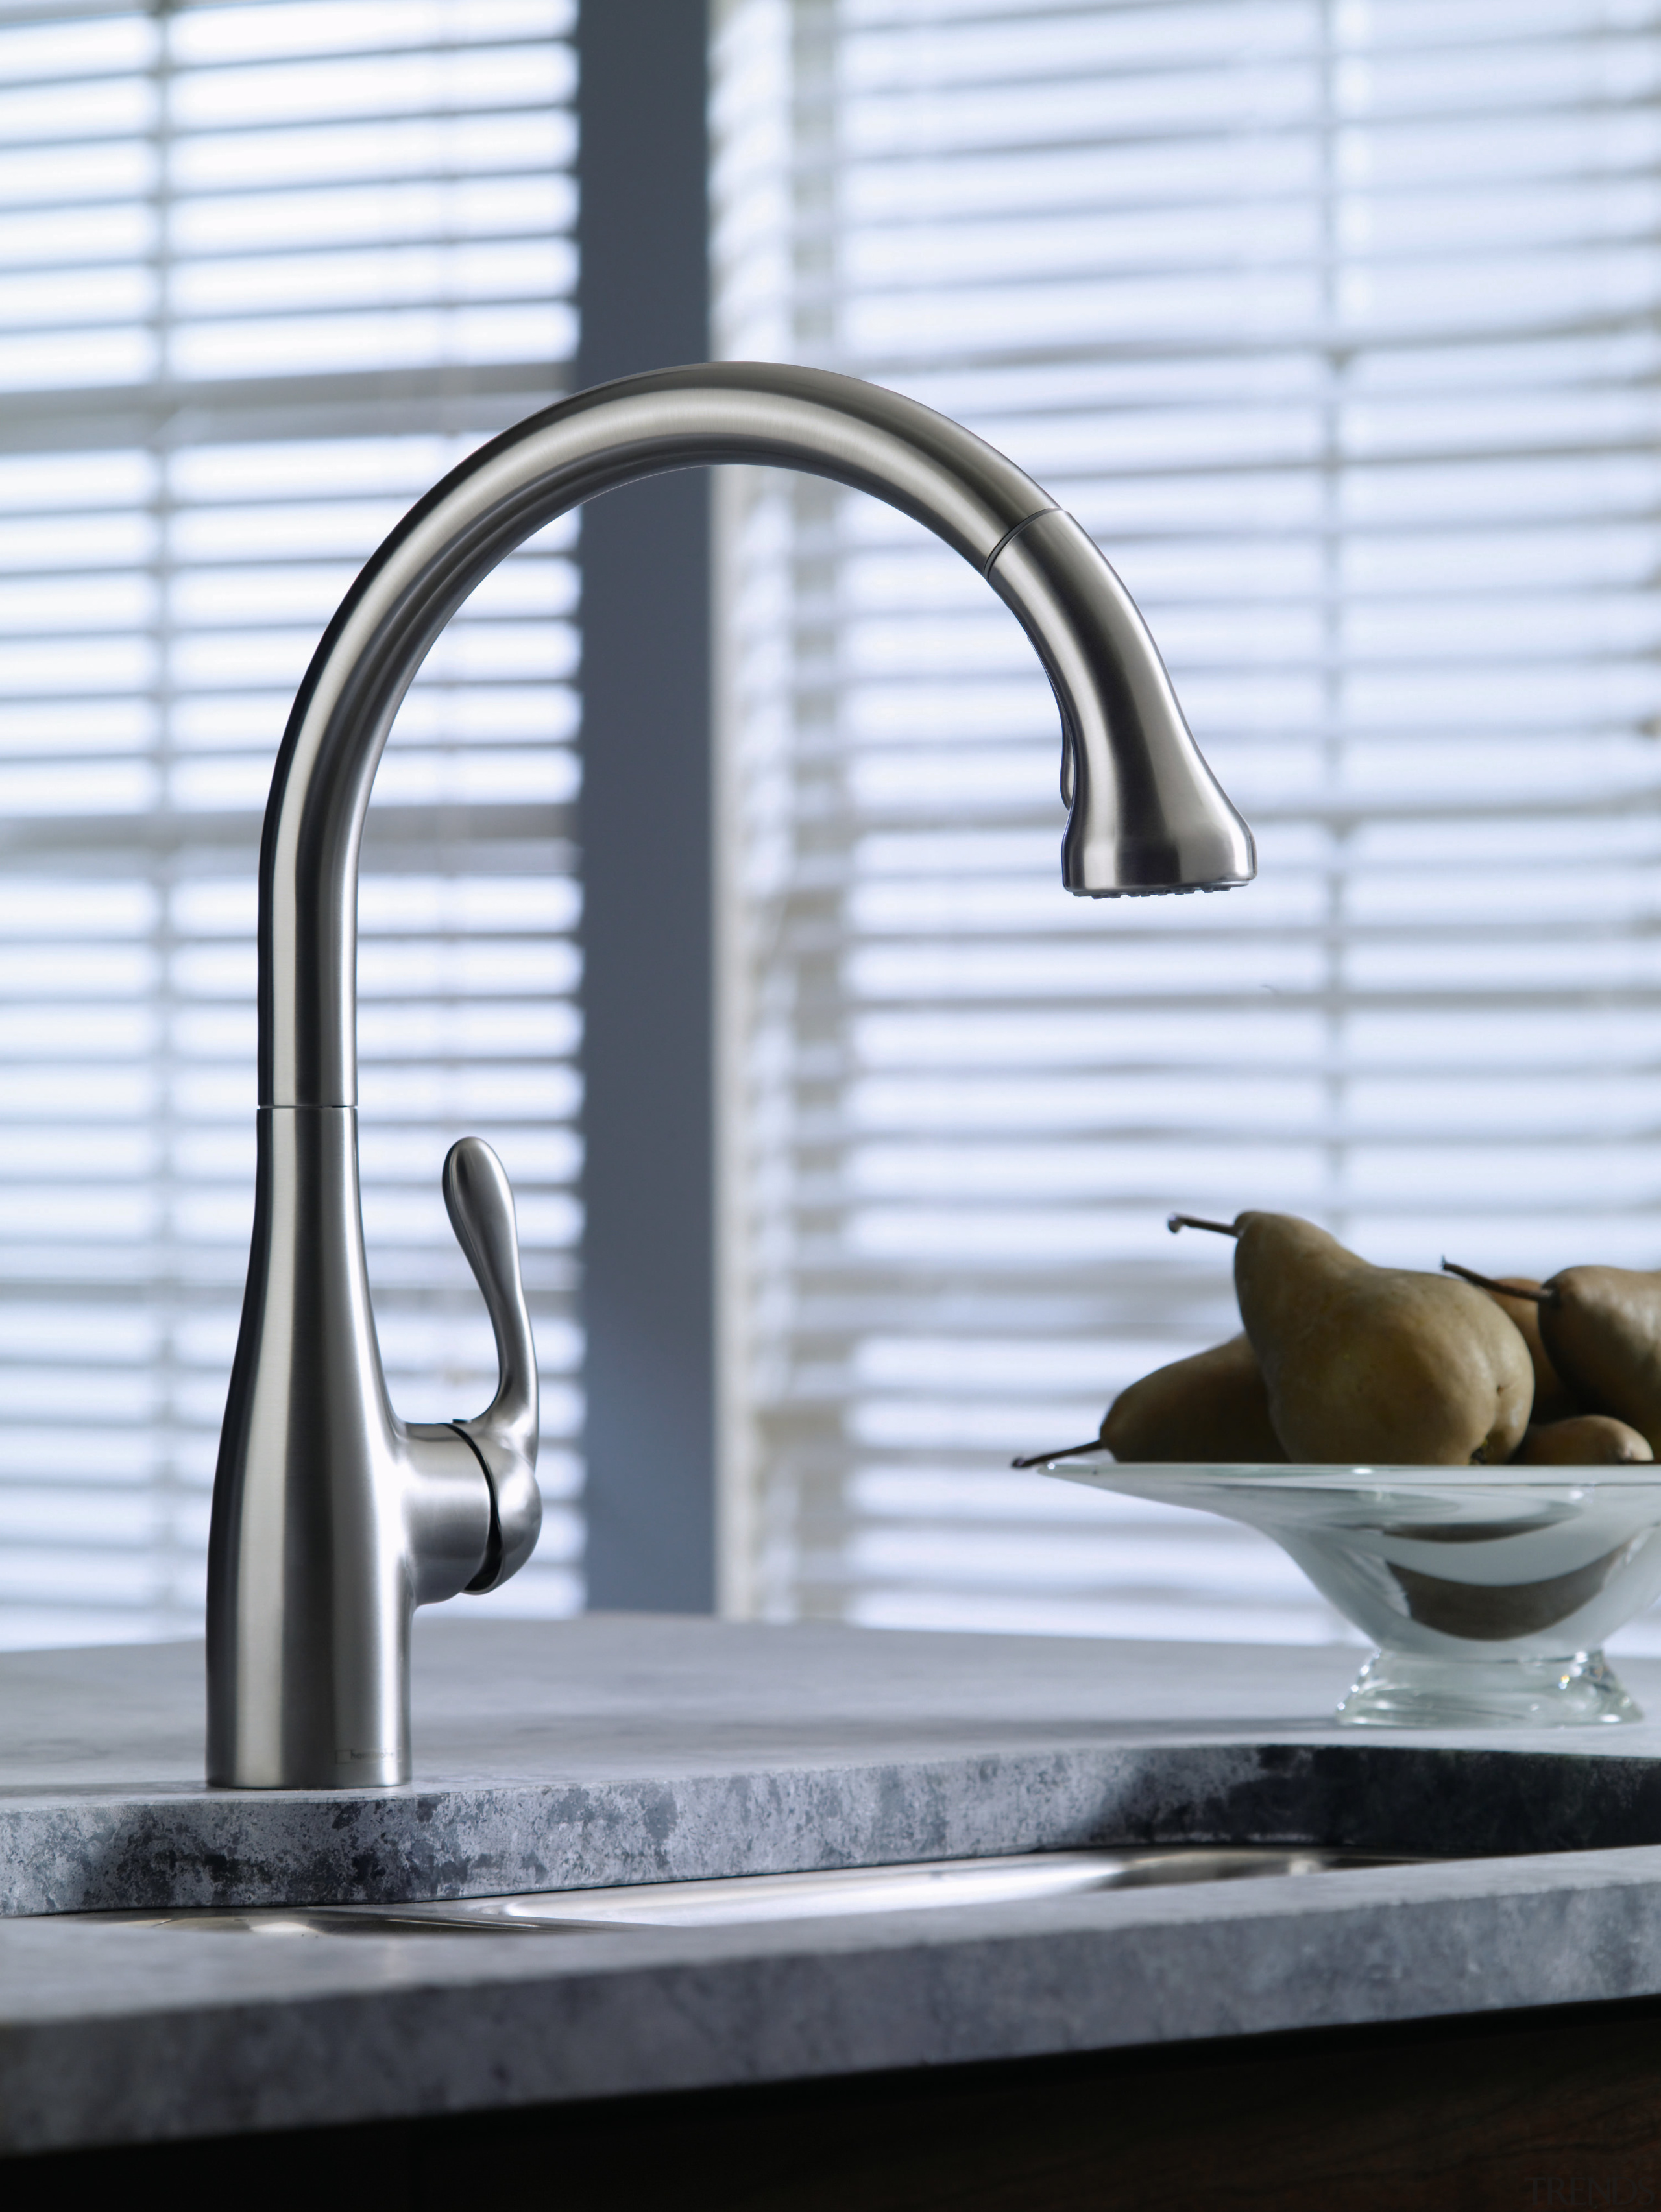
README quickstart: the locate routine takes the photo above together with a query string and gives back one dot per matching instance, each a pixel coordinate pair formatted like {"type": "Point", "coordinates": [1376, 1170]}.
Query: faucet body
{"type": "Point", "coordinates": [332, 1519]}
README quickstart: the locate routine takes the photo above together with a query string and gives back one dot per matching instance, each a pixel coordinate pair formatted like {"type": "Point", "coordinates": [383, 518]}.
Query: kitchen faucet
{"type": "Point", "coordinates": [332, 1519]}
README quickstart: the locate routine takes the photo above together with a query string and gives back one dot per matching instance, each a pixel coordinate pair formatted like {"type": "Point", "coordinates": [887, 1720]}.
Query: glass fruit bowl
{"type": "Point", "coordinates": [1489, 1591]}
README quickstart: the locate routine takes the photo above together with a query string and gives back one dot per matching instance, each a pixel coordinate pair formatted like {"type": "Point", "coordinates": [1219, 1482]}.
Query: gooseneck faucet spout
{"type": "Point", "coordinates": [331, 1519]}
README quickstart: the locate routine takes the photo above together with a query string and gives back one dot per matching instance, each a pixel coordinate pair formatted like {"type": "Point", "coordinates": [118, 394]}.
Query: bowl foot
{"type": "Point", "coordinates": [1397, 1690]}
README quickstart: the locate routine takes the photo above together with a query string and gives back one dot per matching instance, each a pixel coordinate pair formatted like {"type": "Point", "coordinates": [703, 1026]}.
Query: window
{"type": "Point", "coordinates": [267, 271]}
{"type": "Point", "coordinates": [1335, 324]}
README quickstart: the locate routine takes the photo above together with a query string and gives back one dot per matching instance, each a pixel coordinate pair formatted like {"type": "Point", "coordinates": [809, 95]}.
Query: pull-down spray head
{"type": "Point", "coordinates": [1145, 814]}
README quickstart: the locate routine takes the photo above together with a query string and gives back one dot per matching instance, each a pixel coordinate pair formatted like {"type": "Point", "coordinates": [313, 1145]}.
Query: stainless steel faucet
{"type": "Point", "coordinates": [332, 1519]}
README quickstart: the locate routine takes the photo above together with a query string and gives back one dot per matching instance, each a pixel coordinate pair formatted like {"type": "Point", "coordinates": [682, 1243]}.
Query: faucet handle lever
{"type": "Point", "coordinates": [479, 1200]}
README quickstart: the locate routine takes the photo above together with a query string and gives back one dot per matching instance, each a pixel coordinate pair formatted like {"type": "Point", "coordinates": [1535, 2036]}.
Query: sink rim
{"type": "Point", "coordinates": [751, 1900]}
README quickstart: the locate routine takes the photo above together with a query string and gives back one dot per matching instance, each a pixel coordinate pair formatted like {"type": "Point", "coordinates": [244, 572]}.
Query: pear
{"type": "Point", "coordinates": [1210, 1408]}
{"type": "Point", "coordinates": [1552, 1400]}
{"type": "Point", "coordinates": [1379, 1364]}
{"type": "Point", "coordinates": [1601, 1328]}
{"type": "Point", "coordinates": [1586, 1440]}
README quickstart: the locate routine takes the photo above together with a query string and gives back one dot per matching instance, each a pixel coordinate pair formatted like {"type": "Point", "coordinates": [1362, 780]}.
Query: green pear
{"type": "Point", "coordinates": [1211, 1408]}
{"type": "Point", "coordinates": [1585, 1440]}
{"type": "Point", "coordinates": [1377, 1364]}
{"type": "Point", "coordinates": [1601, 1329]}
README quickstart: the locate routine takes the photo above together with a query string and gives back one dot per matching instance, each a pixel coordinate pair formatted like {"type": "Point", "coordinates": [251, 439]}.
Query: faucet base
{"type": "Point", "coordinates": [332, 1520]}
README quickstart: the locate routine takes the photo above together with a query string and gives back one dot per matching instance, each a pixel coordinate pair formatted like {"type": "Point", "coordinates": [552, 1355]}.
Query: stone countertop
{"type": "Point", "coordinates": [608, 1750]}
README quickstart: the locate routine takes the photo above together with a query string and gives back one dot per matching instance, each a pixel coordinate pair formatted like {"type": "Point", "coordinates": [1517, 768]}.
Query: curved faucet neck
{"type": "Point", "coordinates": [1147, 814]}
{"type": "Point", "coordinates": [804, 419]}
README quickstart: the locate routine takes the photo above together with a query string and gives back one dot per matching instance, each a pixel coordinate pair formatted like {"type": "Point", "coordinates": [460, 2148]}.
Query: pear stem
{"type": "Point", "coordinates": [1066, 1451]}
{"type": "Point", "coordinates": [1175, 1221]}
{"type": "Point", "coordinates": [1546, 1297]}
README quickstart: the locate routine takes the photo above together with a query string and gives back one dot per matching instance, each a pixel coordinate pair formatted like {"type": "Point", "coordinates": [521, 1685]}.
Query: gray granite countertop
{"type": "Point", "coordinates": [616, 1750]}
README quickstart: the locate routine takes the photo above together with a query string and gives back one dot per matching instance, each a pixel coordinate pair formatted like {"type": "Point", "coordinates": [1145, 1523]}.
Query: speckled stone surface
{"type": "Point", "coordinates": [603, 1751]}
{"type": "Point", "coordinates": [566, 1755]}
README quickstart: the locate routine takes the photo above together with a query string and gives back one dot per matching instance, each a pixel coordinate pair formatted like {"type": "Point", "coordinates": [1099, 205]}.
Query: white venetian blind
{"type": "Point", "coordinates": [267, 271]}
{"type": "Point", "coordinates": [1338, 324]}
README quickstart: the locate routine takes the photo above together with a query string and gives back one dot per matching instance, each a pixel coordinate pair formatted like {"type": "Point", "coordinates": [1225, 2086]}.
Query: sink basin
{"type": "Point", "coordinates": [746, 1899]}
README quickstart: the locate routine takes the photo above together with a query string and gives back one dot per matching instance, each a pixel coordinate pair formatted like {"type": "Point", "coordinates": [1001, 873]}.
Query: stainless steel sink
{"type": "Point", "coordinates": [751, 1898]}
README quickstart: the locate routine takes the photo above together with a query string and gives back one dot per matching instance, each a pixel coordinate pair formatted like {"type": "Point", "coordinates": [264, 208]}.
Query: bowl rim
{"type": "Point", "coordinates": [1095, 1469]}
